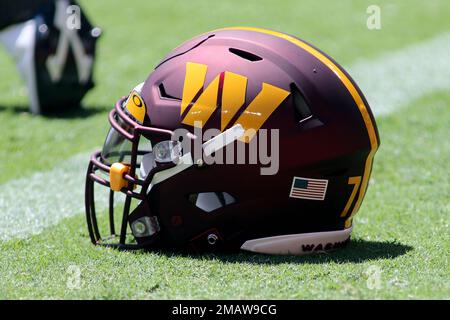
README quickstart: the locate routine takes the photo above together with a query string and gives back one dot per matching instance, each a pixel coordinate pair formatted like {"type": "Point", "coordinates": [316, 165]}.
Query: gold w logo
{"type": "Point", "coordinates": [234, 87]}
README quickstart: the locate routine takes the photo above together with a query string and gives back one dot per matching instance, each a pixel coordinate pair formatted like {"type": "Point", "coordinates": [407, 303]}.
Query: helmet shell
{"type": "Point", "coordinates": [336, 142]}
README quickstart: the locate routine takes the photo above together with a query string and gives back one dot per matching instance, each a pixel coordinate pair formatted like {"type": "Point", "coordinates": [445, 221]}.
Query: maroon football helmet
{"type": "Point", "coordinates": [240, 138]}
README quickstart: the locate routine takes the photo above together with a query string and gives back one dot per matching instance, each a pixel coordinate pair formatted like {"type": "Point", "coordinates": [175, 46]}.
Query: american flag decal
{"type": "Point", "coordinates": [310, 189]}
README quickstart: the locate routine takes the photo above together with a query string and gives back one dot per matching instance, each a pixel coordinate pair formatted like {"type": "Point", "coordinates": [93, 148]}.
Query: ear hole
{"type": "Point", "coordinates": [245, 54]}
{"type": "Point", "coordinates": [210, 201]}
{"type": "Point", "coordinates": [301, 108]}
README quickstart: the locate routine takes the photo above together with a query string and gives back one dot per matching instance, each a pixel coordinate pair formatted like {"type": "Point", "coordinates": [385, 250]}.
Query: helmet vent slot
{"type": "Point", "coordinates": [301, 108]}
{"type": "Point", "coordinates": [210, 201]}
{"type": "Point", "coordinates": [245, 54]}
{"type": "Point", "coordinates": [164, 94]}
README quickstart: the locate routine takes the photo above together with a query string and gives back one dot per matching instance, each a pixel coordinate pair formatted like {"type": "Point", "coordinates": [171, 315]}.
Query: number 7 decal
{"type": "Point", "coordinates": [355, 181]}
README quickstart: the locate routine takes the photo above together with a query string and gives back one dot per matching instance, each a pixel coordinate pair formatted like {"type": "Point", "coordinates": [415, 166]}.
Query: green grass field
{"type": "Point", "coordinates": [400, 244]}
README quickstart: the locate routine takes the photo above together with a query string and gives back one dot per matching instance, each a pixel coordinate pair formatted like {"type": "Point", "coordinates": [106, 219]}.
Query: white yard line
{"type": "Point", "coordinates": [28, 205]}
{"type": "Point", "coordinates": [397, 78]}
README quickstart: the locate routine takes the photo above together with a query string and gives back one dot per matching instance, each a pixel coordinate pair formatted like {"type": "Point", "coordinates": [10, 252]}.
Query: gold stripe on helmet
{"type": "Point", "coordinates": [353, 92]}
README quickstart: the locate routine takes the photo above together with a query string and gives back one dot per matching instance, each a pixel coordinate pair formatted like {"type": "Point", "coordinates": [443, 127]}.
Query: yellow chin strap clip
{"type": "Point", "coordinates": [116, 176]}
